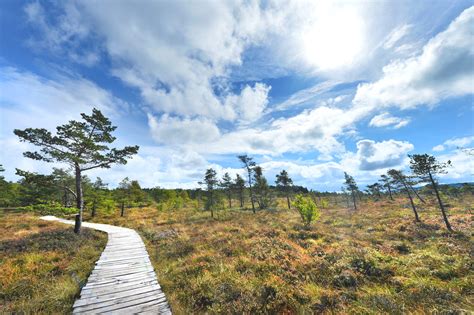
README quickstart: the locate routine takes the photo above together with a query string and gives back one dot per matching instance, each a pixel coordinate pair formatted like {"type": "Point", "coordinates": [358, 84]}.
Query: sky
{"type": "Point", "coordinates": [318, 88]}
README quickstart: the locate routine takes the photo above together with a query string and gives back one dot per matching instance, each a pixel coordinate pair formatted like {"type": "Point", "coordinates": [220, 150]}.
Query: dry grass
{"type": "Point", "coordinates": [43, 264]}
{"type": "Point", "coordinates": [375, 260]}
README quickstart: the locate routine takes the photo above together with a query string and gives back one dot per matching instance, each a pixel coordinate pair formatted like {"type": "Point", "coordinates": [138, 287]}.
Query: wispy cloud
{"type": "Point", "coordinates": [386, 120]}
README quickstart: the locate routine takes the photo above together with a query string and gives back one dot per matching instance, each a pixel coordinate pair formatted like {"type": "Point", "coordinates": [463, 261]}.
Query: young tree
{"type": "Point", "coordinates": [262, 189]}
{"type": "Point", "coordinates": [351, 186]}
{"type": "Point", "coordinates": [284, 182]}
{"type": "Point", "coordinates": [426, 167]}
{"type": "Point", "coordinates": [97, 188]}
{"type": "Point", "coordinates": [386, 183]}
{"type": "Point", "coordinates": [402, 182]}
{"type": "Point", "coordinates": [248, 165]}
{"type": "Point", "coordinates": [210, 180]}
{"type": "Point", "coordinates": [239, 184]}
{"type": "Point", "coordinates": [137, 195]}
{"type": "Point", "coordinates": [81, 144]}
{"type": "Point", "coordinates": [226, 184]}
{"type": "Point", "coordinates": [308, 210]}
{"type": "Point", "coordinates": [124, 190]}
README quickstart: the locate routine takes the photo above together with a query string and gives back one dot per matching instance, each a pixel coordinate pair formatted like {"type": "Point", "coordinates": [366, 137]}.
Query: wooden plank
{"type": "Point", "coordinates": [117, 302]}
{"type": "Point", "coordinates": [123, 280]}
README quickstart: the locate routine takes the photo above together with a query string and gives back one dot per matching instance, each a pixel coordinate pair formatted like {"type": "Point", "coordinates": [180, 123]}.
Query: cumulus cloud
{"type": "Point", "coordinates": [180, 132]}
{"type": "Point", "coordinates": [386, 120]}
{"type": "Point", "coordinates": [373, 155]}
{"type": "Point", "coordinates": [454, 143]}
{"type": "Point", "coordinates": [444, 69]}
{"type": "Point", "coordinates": [251, 102]}
{"type": "Point", "coordinates": [462, 166]}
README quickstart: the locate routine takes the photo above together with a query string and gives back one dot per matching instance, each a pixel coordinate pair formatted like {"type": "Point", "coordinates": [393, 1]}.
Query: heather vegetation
{"type": "Point", "coordinates": [244, 243]}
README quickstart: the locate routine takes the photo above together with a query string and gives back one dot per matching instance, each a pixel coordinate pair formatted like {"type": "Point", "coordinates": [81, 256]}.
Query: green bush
{"type": "Point", "coordinates": [307, 208]}
{"type": "Point", "coordinates": [51, 208]}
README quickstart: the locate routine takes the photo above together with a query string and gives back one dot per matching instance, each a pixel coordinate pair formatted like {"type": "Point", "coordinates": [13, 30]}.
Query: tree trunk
{"type": "Point", "coordinates": [211, 204]}
{"type": "Point", "coordinates": [441, 206]}
{"type": "Point", "coordinates": [251, 191]}
{"type": "Point", "coordinates": [241, 195]}
{"type": "Point", "coordinates": [354, 200]}
{"type": "Point", "coordinates": [390, 192]}
{"type": "Point", "coordinates": [407, 189]}
{"type": "Point", "coordinates": [79, 199]}
{"type": "Point", "coordinates": [230, 200]}
{"type": "Point", "coordinates": [417, 219]}
{"type": "Point", "coordinates": [122, 209]}
{"type": "Point", "coordinates": [288, 201]}
{"type": "Point", "coordinates": [416, 193]}
{"type": "Point", "coordinates": [93, 208]}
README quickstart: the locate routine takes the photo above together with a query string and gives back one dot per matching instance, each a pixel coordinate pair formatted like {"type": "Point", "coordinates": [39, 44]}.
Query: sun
{"type": "Point", "coordinates": [333, 40]}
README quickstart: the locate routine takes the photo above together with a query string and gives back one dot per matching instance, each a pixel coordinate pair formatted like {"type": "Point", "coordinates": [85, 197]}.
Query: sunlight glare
{"type": "Point", "coordinates": [334, 40]}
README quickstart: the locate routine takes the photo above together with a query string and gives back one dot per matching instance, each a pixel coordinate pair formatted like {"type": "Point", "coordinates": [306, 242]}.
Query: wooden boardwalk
{"type": "Point", "coordinates": [123, 280]}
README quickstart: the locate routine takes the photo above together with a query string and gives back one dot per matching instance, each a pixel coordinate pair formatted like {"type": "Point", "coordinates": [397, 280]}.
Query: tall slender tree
{"type": "Point", "coordinates": [81, 144]}
{"type": "Point", "coordinates": [124, 192]}
{"type": "Point", "coordinates": [401, 181]}
{"type": "Point", "coordinates": [226, 184]}
{"type": "Point", "coordinates": [351, 186]}
{"type": "Point", "coordinates": [386, 183]}
{"type": "Point", "coordinates": [249, 165]}
{"type": "Point", "coordinates": [210, 180]}
{"type": "Point", "coordinates": [239, 184]}
{"type": "Point", "coordinates": [284, 182]}
{"type": "Point", "coordinates": [262, 190]}
{"type": "Point", "coordinates": [426, 167]}
{"type": "Point", "coordinates": [97, 188]}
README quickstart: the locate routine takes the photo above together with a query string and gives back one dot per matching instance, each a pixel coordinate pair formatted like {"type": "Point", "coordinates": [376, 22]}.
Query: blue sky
{"type": "Point", "coordinates": [313, 87]}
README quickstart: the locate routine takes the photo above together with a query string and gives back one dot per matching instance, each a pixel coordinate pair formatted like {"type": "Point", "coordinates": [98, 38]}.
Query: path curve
{"type": "Point", "coordinates": [123, 280]}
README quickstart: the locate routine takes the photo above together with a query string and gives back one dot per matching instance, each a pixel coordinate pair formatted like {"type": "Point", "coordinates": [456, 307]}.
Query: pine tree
{"type": "Point", "coordinates": [239, 184]}
{"type": "Point", "coordinates": [403, 182]}
{"type": "Point", "coordinates": [226, 184]}
{"type": "Point", "coordinates": [284, 182]}
{"type": "Point", "coordinates": [249, 165]}
{"type": "Point", "coordinates": [81, 144]}
{"type": "Point", "coordinates": [351, 186]}
{"type": "Point", "coordinates": [426, 167]}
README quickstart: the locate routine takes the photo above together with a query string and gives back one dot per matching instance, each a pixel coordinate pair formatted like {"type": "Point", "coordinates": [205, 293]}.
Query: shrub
{"type": "Point", "coordinates": [308, 210]}
{"type": "Point", "coordinates": [51, 208]}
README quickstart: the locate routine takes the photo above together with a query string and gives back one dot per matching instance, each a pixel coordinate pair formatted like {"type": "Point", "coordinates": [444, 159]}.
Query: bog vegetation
{"type": "Point", "coordinates": [248, 244]}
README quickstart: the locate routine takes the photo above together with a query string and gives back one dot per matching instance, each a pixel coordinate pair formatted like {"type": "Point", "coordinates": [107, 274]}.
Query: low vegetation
{"type": "Point", "coordinates": [43, 264]}
{"type": "Point", "coordinates": [375, 260]}
{"type": "Point", "coordinates": [241, 245]}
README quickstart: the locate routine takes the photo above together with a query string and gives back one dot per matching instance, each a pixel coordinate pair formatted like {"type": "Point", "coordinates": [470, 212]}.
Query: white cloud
{"type": "Point", "coordinates": [180, 132]}
{"type": "Point", "coordinates": [462, 166]}
{"type": "Point", "coordinates": [444, 69]}
{"type": "Point", "coordinates": [396, 35]}
{"type": "Point", "coordinates": [26, 97]}
{"type": "Point", "coordinates": [386, 119]}
{"type": "Point", "coordinates": [251, 102]}
{"type": "Point", "coordinates": [63, 35]}
{"type": "Point", "coordinates": [373, 155]}
{"type": "Point", "coordinates": [454, 143]}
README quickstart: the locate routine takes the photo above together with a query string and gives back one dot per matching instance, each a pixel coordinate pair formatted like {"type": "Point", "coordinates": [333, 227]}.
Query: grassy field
{"type": "Point", "coordinates": [43, 264]}
{"type": "Point", "coordinates": [375, 260]}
